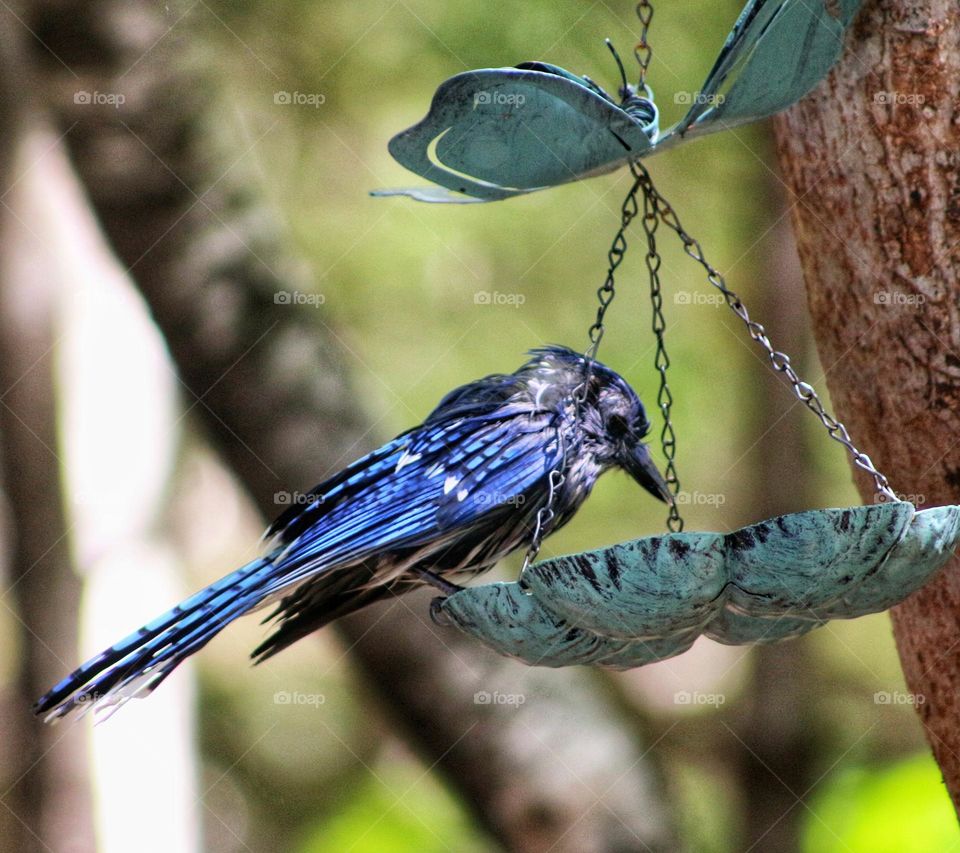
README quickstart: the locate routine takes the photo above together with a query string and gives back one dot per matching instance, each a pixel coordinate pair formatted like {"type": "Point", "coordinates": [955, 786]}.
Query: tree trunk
{"type": "Point", "coordinates": [872, 160]}
{"type": "Point", "coordinates": [45, 798]}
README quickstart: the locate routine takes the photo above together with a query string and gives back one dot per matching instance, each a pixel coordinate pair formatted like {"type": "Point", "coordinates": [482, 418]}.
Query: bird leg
{"type": "Point", "coordinates": [444, 586]}
{"type": "Point", "coordinates": [437, 616]}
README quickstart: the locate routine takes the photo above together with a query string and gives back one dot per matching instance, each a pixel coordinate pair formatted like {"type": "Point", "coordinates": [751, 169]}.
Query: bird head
{"type": "Point", "coordinates": [613, 419]}
{"type": "Point", "coordinates": [624, 425]}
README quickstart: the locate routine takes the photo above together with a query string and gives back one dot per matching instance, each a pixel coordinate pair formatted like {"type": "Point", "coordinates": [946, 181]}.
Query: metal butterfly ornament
{"type": "Point", "coordinates": [495, 133]}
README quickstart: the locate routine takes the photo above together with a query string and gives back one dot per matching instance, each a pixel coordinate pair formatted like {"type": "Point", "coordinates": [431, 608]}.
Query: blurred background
{"type": "Point", "coordinates": [147, 146]}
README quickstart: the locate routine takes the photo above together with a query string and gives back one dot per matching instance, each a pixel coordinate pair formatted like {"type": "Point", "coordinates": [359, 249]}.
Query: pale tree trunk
{"type": "Point", "coordinates": [45, 798]}
{"type": "Point", "coordinates": [872, 160]}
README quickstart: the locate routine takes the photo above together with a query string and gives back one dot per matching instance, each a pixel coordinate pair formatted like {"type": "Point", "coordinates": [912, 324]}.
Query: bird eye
{"type": "Point", "coordinates": [617, 426]}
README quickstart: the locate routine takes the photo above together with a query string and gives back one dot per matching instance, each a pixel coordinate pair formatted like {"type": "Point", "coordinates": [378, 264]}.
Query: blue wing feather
{"type": "Point", "coordinates": [368, 510]}
{"type": "Point", "coordinates": [413, 506]}
{"type": "Point", "coordinates": [507, 479]}
{"type": "Point", "coordinates": [432, 497]}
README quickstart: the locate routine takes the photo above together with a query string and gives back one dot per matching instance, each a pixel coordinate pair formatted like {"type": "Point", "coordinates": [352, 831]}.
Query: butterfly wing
{"type": "Point", "coordinates": [776, 53]}
{"type": "Point", "coordinates": [501, 132]}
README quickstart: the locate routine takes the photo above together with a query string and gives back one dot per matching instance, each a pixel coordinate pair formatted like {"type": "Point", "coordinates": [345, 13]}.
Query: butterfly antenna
{"type": "Point", "coordinates": [624, 86]}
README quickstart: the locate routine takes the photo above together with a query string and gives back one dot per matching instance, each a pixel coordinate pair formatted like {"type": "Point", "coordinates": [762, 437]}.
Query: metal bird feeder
{"type": "Point", "coordinates": [650, 598]}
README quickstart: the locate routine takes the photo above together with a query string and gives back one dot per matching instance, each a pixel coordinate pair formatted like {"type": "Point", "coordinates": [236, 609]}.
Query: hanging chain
{"type": "Point", "coordinates": [605, 294]}
{"type": "Point", "coordinates": [668, 438]}
{"type": "Point", "coordinates": [545, 515]}
{"type": "Point", "coordinates": [629, 210]}
{"type": "Point", "coordinates": [656, 209]}
{"type": "Point", "coordinates": [780, 362]}
{"type": "Point", "coordinates": [643, 52]}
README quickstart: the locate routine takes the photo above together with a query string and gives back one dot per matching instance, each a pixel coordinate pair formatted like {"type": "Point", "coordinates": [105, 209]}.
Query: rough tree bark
{"type": "Point", "coordinates": [270, 385]}
{"type": "Point", "coordinates": [872, 160]}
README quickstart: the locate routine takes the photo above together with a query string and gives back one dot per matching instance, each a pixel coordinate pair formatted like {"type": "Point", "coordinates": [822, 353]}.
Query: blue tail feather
{"type": "Point", "coordinates": [140, 661]}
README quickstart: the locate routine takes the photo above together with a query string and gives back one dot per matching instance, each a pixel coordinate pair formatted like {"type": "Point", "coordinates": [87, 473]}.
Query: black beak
{"type": "Point", "coordinates": [640, 466]}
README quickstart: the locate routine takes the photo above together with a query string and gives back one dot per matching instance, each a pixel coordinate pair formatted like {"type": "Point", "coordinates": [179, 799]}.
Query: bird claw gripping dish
{"type": "Point", "coordinates": [649, 599]}
{"type": "Point", "coordinates": [494, 133]}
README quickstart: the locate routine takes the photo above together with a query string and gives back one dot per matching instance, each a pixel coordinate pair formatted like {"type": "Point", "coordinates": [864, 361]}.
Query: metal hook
{"type": "Point", "coordinates": [624, 86]}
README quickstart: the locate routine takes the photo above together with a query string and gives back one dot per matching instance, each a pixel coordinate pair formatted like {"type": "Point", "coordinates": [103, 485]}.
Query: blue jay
{"type": "Point", "coordinates": [448, 498]}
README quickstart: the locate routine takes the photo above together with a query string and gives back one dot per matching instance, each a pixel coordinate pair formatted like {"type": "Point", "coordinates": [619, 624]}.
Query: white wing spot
{"type": "Point", "coordinates": [450, 483]}
{"type": "Point", "coordinates": [461, 494]}
{"type": "Point", "coordinates": [406, 459]}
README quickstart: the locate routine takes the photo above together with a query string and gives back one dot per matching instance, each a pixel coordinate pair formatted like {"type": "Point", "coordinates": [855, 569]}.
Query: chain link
{"type": "Point", "coordinates": [643, 51]}
{"type": "Point", "coordinates": [606, 292]}
{"type": "Point", "coordinates": [545, 515]}
{"type": "Point", "coordinates": [780, 362]}
{"type": "Point", "coordinates": [668, 438]}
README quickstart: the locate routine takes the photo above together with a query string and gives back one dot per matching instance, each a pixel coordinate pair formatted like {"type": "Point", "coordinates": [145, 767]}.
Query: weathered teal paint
{"type": "Point", "coordinates": [499, 132]}
{"type": "Point", "coordinates": [649, 599]}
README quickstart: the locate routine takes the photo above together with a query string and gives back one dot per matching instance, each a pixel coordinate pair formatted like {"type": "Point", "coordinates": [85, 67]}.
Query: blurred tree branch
{"type": "Point", "coordinates": [777, 733]}
{"type": "Point", "coordinates": [872, 162]}
{"type": "Point", "coordinates": [44, 788]}
{"type": "Point", "coordinates": [269, 384]}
